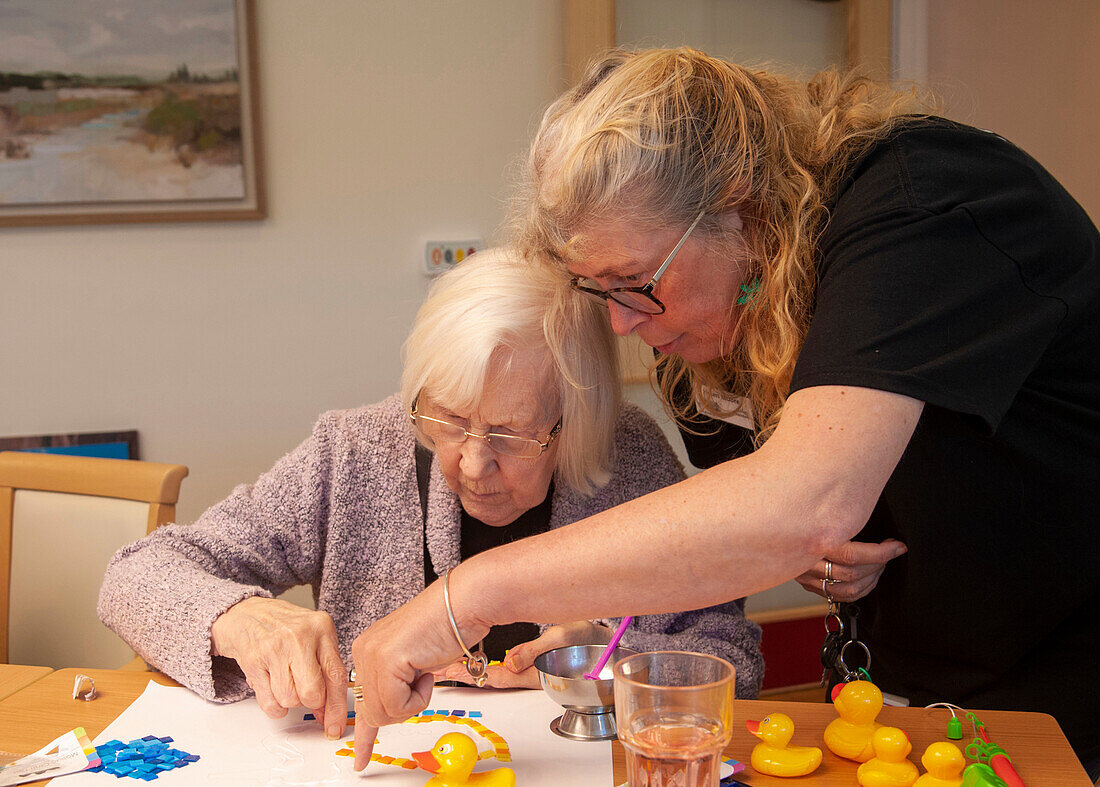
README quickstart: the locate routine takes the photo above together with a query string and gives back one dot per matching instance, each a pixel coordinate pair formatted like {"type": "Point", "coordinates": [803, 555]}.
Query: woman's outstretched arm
{"type": "Point", "coordinates": [735, 529]}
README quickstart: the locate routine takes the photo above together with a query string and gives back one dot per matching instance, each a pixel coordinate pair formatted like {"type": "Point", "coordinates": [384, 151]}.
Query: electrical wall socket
{"type": "Point", "coordinates": [442, 255]}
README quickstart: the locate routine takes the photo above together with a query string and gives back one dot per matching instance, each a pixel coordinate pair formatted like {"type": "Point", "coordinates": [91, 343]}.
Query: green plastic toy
{"type": "Point", "coordinates": [981, 775]}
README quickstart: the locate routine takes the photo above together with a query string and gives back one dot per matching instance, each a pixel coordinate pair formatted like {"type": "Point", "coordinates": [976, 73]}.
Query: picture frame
{"type": "Point", "coordinates": [112, 445]}
{"type": "Point", "coordinates": [156, 119]}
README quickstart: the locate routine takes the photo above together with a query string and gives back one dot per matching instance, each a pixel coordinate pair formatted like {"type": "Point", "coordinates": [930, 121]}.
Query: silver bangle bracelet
{"type": "Point", "coordinates": [476, 663]}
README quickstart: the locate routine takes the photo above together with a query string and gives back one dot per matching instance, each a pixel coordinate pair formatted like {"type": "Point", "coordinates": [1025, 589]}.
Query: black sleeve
{"type": "Point", "coordinates": [916, 292]}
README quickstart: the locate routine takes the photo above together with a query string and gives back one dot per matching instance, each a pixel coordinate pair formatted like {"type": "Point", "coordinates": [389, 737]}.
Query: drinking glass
{"type": "Point", "coordinates": [674, 712]}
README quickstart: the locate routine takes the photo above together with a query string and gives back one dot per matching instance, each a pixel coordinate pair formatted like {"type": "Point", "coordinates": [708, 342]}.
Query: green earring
{"type": "Point", "coordinates": [748, 292]}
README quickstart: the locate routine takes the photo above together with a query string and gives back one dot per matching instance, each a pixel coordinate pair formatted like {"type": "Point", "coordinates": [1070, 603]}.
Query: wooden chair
{"type": "Point", "coordinates": [61, 519]}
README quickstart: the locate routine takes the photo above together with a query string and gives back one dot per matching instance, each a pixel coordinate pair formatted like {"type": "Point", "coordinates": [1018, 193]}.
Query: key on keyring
{"type": "Point", "coordinates": [830, 652]}
{"type": "Point", "coordinates": [853, 619]}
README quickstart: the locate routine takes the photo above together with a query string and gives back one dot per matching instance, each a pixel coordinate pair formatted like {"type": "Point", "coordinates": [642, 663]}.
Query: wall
{"type": "Point", "coordinates": [387, 123]}
{"type": "Point", "coordinates": [798, 37]}
{"type": "Point", "coordinates": [1027, 71]}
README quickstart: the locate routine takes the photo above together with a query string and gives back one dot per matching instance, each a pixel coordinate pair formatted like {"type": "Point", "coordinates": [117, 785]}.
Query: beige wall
{"type": "Point", "coordinates": [1028, 71]}
{"type": "Point", "coordinates": [387, 123]}
{"type": "Point", "coordinates": [795, 36]}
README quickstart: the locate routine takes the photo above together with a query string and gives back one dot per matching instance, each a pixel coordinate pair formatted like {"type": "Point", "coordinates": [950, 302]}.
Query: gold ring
{"type": "Point", "coordinates": [356, 689]}
{"type": "Point", "coordinates": [828, 569]}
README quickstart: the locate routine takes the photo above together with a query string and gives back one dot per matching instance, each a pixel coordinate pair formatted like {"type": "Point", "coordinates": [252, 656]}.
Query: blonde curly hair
{"type": "Point", "coordinates": [655, 137]}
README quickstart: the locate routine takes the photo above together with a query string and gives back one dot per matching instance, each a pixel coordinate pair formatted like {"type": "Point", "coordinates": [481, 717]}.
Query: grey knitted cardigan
{"type": "Point", "coordinates": [342, 513]}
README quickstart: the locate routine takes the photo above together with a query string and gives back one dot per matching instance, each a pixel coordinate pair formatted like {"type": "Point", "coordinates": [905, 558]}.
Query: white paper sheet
{"type": "Point", "coordinates": [239, 746]}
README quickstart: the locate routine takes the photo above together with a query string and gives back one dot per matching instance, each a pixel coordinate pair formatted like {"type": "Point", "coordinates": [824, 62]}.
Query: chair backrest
{"type": "Point", "coordinates": [61, 519]}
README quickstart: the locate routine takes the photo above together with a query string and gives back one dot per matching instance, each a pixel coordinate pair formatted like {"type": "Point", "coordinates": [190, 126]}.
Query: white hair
{"type": "Point", "coordinates": [496, 304]}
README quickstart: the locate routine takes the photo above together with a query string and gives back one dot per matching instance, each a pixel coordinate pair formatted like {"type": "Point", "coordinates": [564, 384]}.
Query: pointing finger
{"type": "Point", "coordinates": [365, 736]}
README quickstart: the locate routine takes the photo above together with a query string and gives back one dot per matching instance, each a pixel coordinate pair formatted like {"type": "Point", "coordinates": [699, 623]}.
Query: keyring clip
{"type": "Point", "coordinates": [849, 675]}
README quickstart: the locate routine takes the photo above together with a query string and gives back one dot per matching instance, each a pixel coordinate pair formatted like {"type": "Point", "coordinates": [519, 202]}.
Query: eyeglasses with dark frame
{"type": "Point", "coordinates": [640, 299]}
{"type": "Point", "coordinates": [437, 430]}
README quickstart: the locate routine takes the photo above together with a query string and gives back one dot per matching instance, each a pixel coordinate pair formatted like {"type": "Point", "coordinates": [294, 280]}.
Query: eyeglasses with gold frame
{"type": "Point", "coordinates": [437, 430]}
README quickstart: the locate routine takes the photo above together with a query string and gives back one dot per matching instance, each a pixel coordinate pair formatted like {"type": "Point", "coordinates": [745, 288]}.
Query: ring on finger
{"type": "Point", "coordinates": [828, 569]}
{"type": "Point", "coordinates": [356, 689]}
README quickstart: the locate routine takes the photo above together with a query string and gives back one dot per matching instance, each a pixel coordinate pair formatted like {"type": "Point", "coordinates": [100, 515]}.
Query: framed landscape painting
{"type": "Point", "coordinates": [128, 111]}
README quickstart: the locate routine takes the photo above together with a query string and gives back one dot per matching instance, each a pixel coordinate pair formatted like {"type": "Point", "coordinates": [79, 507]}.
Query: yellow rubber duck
{"type": "Point", "coordinates": [773, 756]}
{"type": "Point", "coordinates": [858, 704]}
{"type": "Point", "coordinates": [944, 763]}
{"type": "Point", "coordinates": [888, 768]}
{"type": "Point", "coordinates": [452, 760]}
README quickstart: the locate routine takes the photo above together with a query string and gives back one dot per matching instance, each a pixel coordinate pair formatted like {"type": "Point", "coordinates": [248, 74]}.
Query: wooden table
{"type": "Point", "coordinates": [1035, 743]}
{"type": "Point", "coordinates": [39, 712]}
{"type": "Point", "coordinates": [44, 709]}
{"type": "Point", "coordinates": [13, 677]}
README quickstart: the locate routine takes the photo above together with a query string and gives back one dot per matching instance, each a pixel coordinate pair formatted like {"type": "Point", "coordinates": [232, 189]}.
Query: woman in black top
{"type": "Point", "coordinates": [902, 311]}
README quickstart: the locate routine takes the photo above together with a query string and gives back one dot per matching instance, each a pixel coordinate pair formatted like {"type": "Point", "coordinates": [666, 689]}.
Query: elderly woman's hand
{"type": "Point", "coordinates": [521, 658]}
{"type": "Point", "coordinates": [518, 670]}
{"type": "Point", "coordinates": [851, 572]}
{"type": "Point", "coordinates": [496, 676]}
{"type": "Point", "coordinates": [290, 657]}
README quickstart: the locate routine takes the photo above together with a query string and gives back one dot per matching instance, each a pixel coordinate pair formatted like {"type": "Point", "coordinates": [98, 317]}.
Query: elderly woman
{"type": "Point", "coordinates": [901, 309]}
{"type": "Point", "coordinates": [513, 390]}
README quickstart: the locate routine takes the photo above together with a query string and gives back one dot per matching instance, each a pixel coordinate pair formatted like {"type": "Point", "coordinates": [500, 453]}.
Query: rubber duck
{"type": "Point", "coordinates": [452, 760]}
{"type": "Point", "coordinates": [849, 735]}
{"type": "Point", "coordinates": [944, 763]}
{"type": "Point", "coordinates": [888, 768]}
{"type": "Point", "coordinates": [773, 755]}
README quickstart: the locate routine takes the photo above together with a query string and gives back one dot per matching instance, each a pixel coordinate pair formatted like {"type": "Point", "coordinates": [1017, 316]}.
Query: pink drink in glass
{"type": "Point", "coordinates": [673, 755]}
{"type": "Point", "coordinates": [674, 712]}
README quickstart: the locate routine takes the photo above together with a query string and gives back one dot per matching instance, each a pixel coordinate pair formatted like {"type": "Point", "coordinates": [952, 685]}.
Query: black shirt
{"type": "Point", "coordinates": [956, 271]}
{"type": "Point", "coordinates": [477, 537]}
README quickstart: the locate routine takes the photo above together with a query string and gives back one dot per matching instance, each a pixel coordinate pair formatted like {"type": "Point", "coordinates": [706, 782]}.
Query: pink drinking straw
{"type": "Point", "coordinates": [614, 643]}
